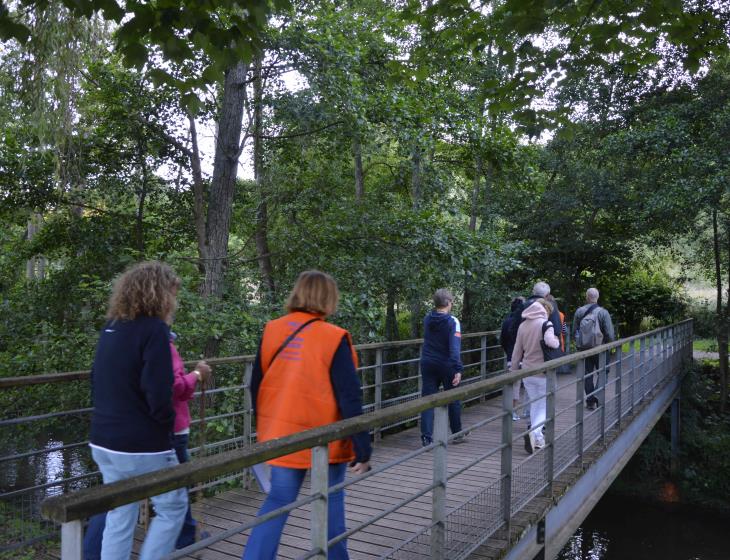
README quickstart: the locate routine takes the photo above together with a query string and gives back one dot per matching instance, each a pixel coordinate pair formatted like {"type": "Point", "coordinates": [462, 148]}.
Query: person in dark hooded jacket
{"type": "Point", "coordinates": [441, 362]}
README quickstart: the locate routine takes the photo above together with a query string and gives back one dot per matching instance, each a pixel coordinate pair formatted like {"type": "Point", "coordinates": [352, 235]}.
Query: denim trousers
{"type": "Point", "coordinates": [285, 485]}
{"type": "Point", "coordinates": [433, 376]}
{"type": "Point", "coordinates": [95, 529]}
{"type": "Point", "coordinates": [592, 363]}
{"type": "Point", "coordinates": [170, 507]}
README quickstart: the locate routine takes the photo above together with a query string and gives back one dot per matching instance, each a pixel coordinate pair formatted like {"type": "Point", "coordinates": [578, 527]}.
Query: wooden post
{"type": "Point", "coordinates": [72, 540]}
{"type": "Point", "coordinates": [506, 458]}
{"type": "Point", "coordinates": [551, 385]}
{"type": "Point", "coordinates": [440, 474]}
{"type": "Point", "coordinates": [320, 485]}
{"type": "Point", "coordinates": [580, 369]}
{"type": "Point", "coordinates": [378, 389]}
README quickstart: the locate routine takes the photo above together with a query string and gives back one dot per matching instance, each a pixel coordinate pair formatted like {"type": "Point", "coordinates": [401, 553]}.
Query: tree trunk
{"type": "Point", "coordinates": [416, 190]}
{"type": "Point", "coordinates": [263, 252]}
{"type": "Point", "coordinates": [722, 338]}
{"type": "Point", "coordinates": [724, 372]}
{"type": "Point", "coordinates": [222, 186]}
{"type": "Point", "coordinates": [391, 320]}
{"type": "Point", "coordinates": [359, 176]}
{"type": "Point", "coordinates": [139, 229]}
{"type": "Point", "coordinates": [475, 192]}
{"type": "Point", "coordinates": [198, 196]}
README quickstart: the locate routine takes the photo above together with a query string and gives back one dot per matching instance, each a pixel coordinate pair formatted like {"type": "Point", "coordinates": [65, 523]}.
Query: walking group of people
{"type": "Point", "coordinates": [140, 393]}
{"type": "Point", "coordinates": [535, 332]}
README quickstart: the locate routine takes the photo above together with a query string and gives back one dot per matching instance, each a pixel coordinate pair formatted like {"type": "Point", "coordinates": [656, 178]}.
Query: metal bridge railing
{"type": "Point", "coordinates": [46, 453]}
{"type": "Point", "coordinates": [638, 365]}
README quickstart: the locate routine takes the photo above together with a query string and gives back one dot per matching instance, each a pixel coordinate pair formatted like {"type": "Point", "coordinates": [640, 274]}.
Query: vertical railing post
{"type": "Point", "coordinates": [619, 386]}
{"type": "Point", "coordinates": [665, 354]}
{"type": "Point", "coordinates": [506, 458]}
{"type": "Point", "coordinates": [632, 376]}
{"type": "Point", "coordinates": [580, 368]}
{"type": "Point", "coordinates": [651, 364]}
{"type": "Point", "coordinates": [551, 386]}
{"type": "Point", "coordinates": [247, 403]}
{"type": "Point", "coordinates": [642, 368]}
{"type": "Point", "coordinates": [602, 369]}
{"type": "Point", "coordinates": [378, 389]}
{"type": "Point", "coordinates": [320, 486]}
{"type": "Point", "coordinates": [247, 412]}
{"type": "Point", "coordinates": [440, 476]}
{"type": "Point", "coordinates": [72, 540]}
{"type": "Point", "coordinates": [483, 362]}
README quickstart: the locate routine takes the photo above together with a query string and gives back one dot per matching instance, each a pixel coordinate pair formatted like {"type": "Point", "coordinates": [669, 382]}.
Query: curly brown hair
{"type": "Point", "coordinates": [145, 289]}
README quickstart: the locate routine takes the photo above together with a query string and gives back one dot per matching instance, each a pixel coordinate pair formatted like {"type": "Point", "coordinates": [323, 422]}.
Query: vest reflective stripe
{"type": "Point", "coordinates": [296, 392]}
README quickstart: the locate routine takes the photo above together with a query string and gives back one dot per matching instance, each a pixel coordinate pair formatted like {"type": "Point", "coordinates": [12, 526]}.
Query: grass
{"type": "Point", "coordinates": [704, 345]}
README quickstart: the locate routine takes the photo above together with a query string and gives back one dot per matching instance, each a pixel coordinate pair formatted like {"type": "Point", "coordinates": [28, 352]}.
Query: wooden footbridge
{"type": "Point", "coordinates": [484, 499]}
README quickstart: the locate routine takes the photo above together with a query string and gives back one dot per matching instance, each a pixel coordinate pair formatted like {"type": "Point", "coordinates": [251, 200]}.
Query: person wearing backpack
{"type": "Point", "coordinates": [536, 340]}
{"type": "Point", "coordinates": [507, 338]}
{"type": "Point", "coordinates": [592, 326]}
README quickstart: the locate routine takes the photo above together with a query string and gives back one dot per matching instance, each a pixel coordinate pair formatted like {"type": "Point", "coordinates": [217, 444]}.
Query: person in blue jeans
{"type": "Point", "coordinates": [133, 419]}
{"type": "Point", "coordinates": [441, 362]}
{"type": "Point", "coordinates": [305, 376]}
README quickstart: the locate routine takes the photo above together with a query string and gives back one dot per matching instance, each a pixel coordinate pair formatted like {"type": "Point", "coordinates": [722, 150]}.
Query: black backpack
{"type": "Point", "coordinates": [547, 352]}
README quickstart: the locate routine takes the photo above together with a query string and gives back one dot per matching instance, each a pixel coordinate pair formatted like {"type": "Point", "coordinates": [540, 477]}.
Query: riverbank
{"type": "Point", "coordinates": [703, 481]}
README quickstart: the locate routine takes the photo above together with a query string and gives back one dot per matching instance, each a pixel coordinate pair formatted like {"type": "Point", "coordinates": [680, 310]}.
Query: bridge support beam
{"type": "Point", "coordinates": [674, 465]}
{"type": "Point", "coordinates": [574, 506]}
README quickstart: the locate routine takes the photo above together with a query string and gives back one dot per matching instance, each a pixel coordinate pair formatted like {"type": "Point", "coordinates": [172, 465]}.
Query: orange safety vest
{"type": "Point", "coordinates": [296, 392]}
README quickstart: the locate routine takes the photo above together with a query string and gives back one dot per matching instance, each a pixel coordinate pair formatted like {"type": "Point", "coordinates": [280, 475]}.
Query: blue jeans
{"type": "Point", "coordinates": [285, 484]}
{"type": "Point", "coordinates": [95, 529]}
{"type": "Point", "coordinates": [433, 376]}
{"type": "Point", "coordinates": [170, 507]}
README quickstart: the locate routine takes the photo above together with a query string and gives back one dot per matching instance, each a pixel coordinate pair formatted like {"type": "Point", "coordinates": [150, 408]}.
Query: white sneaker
{"type": "Point", "coordinates": [515, 416]}
{"type": "Point", "coordinates": [539, 443]}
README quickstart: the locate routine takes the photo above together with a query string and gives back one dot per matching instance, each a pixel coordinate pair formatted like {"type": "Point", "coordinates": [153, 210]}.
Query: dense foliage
{"type": "Point", "coordinates": [393, 144]}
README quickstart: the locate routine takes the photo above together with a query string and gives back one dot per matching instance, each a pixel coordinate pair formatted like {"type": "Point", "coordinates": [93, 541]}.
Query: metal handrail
{"type": "Point", "coordinates": [90, 501]}
{"type": "Point", "coordinates": [63, 377]}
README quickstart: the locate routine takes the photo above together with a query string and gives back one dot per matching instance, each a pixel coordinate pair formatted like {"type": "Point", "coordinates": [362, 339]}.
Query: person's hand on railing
{"type": "Point", "coordinates": [457, 379]}
{"type": "Point", "coordinates": [203, 371]}
{"type": "Point", "coordinates": [360, 468]}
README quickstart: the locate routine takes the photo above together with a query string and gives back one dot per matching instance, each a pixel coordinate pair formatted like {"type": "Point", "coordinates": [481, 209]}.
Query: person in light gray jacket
{"type": "Point", "coordinates": [595, 315]}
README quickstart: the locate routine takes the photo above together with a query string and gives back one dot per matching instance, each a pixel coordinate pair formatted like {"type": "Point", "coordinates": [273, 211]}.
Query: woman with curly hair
{"type": "Point", "coordinates": [133, 420]}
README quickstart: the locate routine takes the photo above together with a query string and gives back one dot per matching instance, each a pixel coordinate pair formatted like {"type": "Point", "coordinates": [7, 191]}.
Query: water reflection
{"type": "Point", "coordinates": [624, 529]}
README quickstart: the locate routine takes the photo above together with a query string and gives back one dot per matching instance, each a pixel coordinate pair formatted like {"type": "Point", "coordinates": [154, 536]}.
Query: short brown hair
{"type": "Point", "coordinates": [442, 298]}
{"type": "Point", "coordinates": [145, 289]}
{"type": "Point", "coordinates": [315, 292]}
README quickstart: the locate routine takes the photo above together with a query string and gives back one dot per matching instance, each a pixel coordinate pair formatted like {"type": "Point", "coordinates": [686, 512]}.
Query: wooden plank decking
{"type": "Point", "coordinates": [378, 493]}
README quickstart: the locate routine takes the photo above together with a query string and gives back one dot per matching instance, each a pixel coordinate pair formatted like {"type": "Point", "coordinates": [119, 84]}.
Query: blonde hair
{"type": "Point", "coordinates": [146, 289]}
{"type": "Point", "coordinates": [315, 292]}
{"type": "Point", "coordinates": [546, 304]}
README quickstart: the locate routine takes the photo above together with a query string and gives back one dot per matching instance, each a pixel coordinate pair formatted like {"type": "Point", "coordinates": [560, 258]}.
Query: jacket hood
{"type": "Point", "coordinates": [535, 311]}
{"type": "Point", "coordinates": [437, 321]}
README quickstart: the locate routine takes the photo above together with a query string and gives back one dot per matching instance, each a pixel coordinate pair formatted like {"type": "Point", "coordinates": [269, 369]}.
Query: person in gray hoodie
{"type": "Point", "coordinates": [528, 351]}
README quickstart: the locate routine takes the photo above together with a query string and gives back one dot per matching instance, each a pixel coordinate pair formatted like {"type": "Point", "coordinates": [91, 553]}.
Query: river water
{"type": "Point", "coordinates": [625, 529]}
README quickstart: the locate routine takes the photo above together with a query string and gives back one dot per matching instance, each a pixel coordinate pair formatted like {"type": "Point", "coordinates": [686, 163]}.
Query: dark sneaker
{"type": "Point", "coordinates": [425, 440]}
{"type": "Point", "coordinates": [528, 443]}
{"type": "Point", "coordinates": [591, 405]}
{"type": "Point", "coordinates": [460, 439]}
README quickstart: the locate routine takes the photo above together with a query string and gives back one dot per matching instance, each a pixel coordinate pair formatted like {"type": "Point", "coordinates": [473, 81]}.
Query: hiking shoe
{"type": "Point", "coordinates": [591, 405]}
{"type": "Point", "coordinates": [529, 442]}
{"type": "Point", "coordinates": [425, 441]}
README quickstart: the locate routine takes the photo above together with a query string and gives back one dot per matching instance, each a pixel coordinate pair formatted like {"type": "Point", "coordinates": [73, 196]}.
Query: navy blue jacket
{"type": "Point", "coordinates": [442, 341]}
{"type": "Point", "coordinates": [346, 386]}
{"type": "Point", "coordinates": [131, 384]}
